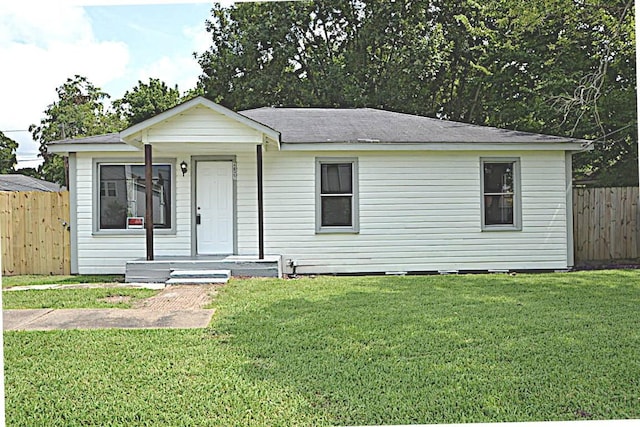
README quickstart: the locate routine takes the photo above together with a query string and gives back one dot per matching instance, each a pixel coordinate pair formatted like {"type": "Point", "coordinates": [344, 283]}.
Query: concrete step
{"type": "Point", "coordinates": [200, 273]}
{"type": "Point", "coordinates": [186, 277]}
{"type": "Point", "coordinates": [159, 270]}
{"type": "Point", "coordinates": [196, 281]}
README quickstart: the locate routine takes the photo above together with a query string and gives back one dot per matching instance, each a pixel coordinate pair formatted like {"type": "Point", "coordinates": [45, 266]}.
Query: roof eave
{"type": "Point", "coordinates": [572, 146]}
{"type": "Point", "coordinates": [67, 148]}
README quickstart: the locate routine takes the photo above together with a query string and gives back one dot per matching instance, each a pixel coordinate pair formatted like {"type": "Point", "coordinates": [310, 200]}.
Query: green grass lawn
{"type": "Point", "coordinates": [351, 351]}
{"type": "Point", "coordinates": [75, 298]}
{"type": "Point", "coordinates": [29, 280]}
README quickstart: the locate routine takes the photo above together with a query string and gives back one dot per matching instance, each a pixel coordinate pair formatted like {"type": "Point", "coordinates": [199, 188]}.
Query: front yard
{"type": "Point", "coordinates": [349, 351]}
{"type": "Point", "coordinates": [30, 280]}
{"type": "Point", "coordinates": [75, 298]}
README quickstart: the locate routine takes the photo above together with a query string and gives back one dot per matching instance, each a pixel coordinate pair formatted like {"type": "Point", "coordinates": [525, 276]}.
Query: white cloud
{"type": "Point", "coordinates": [183, 71]}
{"type": "Point", "coordinates": [201, 39]}
{"type": "Point", "coordinates": [42, 45]}
{"type": "Point", "coordinates": [44, 42]}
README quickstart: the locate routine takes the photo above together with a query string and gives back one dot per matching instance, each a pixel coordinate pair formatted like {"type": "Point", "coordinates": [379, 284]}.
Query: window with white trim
{"type": "Point", "coordinates": [123, 195]}
{"type": "Point", "coordinates": [500, 194]}
{"type": "Point", "coordinates": [336, 195]}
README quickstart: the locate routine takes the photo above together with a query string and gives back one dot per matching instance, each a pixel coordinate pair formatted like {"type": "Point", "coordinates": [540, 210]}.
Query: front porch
{"type": "Point", "coordinates": [159, 269]}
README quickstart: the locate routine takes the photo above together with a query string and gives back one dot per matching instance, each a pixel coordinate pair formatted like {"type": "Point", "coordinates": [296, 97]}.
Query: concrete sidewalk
{"type": "Point", "coordinates": [48, 320]}
{"type": "Point", "coordinates": [176, 307]}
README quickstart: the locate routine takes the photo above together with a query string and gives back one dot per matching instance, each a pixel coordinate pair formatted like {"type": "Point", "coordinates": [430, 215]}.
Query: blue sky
{"type": "Point", "coordinates": [152, 32]}
{"type": "Point", "coordinates": [113, 46]}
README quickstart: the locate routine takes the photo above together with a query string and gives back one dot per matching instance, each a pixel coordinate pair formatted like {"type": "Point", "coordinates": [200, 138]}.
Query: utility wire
{"type": "Point", "coordinates": [601, 140]}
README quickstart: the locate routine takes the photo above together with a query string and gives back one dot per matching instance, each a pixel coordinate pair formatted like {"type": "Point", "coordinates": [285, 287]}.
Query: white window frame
{"type": "Point", "coordinates": [355, 224]}
{"type": "Point", "coordinates": [133, 162]}
{"type": "Point", "coordinates": [517, 195]}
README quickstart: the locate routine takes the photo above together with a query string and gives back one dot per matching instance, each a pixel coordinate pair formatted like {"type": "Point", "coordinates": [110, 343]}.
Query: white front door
{"type": "Point", "coordinates": [214, 207]}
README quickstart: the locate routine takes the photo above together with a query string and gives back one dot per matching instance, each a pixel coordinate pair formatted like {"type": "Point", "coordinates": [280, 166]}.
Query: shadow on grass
{"type": "Point", "coordinates": [350, 351]}
{"type": "Point", "coordinates": [401, 350]}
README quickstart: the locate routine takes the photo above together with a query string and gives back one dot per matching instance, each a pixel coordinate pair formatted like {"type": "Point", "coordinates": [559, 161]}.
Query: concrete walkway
{"type": "Point", "coordinates": [176, 307]}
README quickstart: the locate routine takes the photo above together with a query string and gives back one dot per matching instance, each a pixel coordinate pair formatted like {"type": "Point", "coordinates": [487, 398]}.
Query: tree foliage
{"type": "Point", "coordinates": [8, 149]}
{"type": "Point", "coordinates": [29, 171]}
{"type": "Point", "coordinates": [146, 100]}
{"type": "Point", "coordinates": [551, 66]}
{"type": "Point", "coordinates": [79, 111]}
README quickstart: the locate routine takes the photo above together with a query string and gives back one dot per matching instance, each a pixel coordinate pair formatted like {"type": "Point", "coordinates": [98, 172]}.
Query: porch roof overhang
{"type": "Point", "coordinates": [137, 136]}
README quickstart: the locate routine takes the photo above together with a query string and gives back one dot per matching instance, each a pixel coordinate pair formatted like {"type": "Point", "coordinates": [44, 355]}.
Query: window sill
{"type": "Point", "coordinates": [501, 228]}
{"type": "Point", "coordinates": [337, 230]}
{"type": "Point", "coordinates": [137, 232]}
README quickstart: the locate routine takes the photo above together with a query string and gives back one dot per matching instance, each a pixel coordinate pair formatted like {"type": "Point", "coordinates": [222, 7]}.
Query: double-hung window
{"type": "Point", "coordinates": [500, 194]}
{"type": "Point", "coordinates": [122, 195]}
{"type": "Point", "coordinates": [337, 195]}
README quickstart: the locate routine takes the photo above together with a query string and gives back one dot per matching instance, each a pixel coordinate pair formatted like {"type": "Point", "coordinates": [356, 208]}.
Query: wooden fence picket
{"type": "Point", "coordinates": [34, 232]}
{"type": "Point", "coordinates": [606, 225]}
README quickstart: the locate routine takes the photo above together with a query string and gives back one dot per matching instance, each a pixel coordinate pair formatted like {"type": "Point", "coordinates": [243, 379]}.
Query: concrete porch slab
{"type": "Point", "coordinates": [159, 269]}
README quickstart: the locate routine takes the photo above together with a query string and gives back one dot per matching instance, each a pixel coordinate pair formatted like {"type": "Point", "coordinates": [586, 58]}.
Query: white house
{"type": "Point", "coordinates": [322, 191]}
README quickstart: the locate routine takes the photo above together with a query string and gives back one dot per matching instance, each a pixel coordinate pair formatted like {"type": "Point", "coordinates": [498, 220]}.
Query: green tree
{"type": "Point", "coordinates": [33, 172]}
{"type": "Point", "coordinates": [79, 111]}
{"type": "Point", "coordinates": [146, 100]}
{"type": "Point", "coordinates": [565, 68]}
{"type": "Point", "coordinates": [332, 53]}
{"type": "Point", "coordinates": [8, 149]}
{"type": "Point", "coordinates": [550, 66]}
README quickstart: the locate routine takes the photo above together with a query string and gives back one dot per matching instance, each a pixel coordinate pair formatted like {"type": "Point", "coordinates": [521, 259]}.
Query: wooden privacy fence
{"type": "Point", "coordinates": [606, 225]}
{"type": "Point", "coordinates": [35, 232]}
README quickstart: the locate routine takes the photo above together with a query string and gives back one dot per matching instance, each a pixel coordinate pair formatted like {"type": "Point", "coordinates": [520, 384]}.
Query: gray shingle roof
{"type": "Point", "coordinates": [309, 125]}
{"type": "Point", "coordinates": [107, 138]}
{"type": "Point", "coordinates": [316, 125]}
{"type": "Point", "coordinates": [26, 183]}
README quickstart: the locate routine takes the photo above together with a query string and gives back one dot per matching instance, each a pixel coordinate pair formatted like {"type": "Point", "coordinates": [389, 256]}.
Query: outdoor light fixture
{"type": "Point", "coordinates": [183, 167]}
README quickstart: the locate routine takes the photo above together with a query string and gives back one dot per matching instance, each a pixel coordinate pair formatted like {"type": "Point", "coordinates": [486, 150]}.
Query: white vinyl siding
{"type": "Point", "coordinates": [202, 125]}
{"type": "Point", "coordinates": [197, 132]}
{"type": "Point", "coordinates": [103, 253]}
{"type": "Point", "coordinates": [418, 212]}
